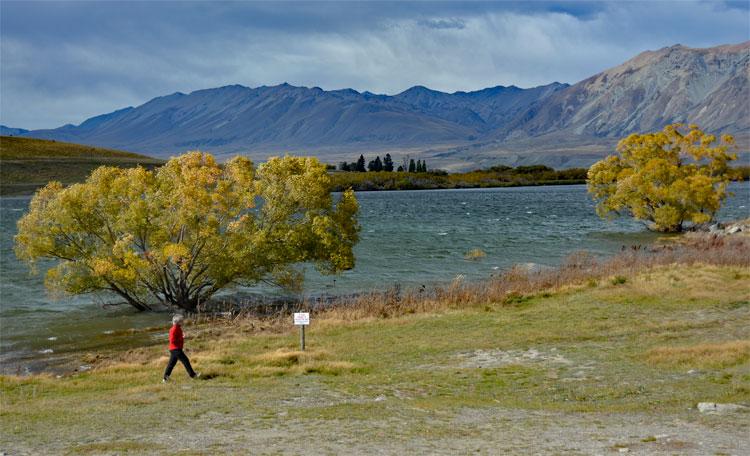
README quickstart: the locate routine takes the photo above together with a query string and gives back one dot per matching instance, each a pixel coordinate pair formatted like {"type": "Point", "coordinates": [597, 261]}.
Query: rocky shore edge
{"type": "Point", "coordinates": [723, 228]}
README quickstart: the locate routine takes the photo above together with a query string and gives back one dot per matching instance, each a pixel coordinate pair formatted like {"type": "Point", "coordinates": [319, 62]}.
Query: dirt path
{"type": "Point", "coordinates": [469, 431]}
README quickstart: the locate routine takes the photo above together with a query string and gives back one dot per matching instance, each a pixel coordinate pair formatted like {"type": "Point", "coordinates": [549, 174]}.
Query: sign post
{"type": "Point", "coordinates": [301, 319]}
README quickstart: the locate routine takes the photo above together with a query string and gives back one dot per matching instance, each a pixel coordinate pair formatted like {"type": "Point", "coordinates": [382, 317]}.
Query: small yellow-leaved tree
{"type": "Point", "coordinates": [181, 233]}
{"type": "Point", "coordinates": [667, 178]}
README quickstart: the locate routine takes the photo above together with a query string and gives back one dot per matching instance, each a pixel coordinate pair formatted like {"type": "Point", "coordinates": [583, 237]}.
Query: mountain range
{"type": "Point", "coordinates": [556, 124]}
{"type": "Point", "coordinates": [7, 131]}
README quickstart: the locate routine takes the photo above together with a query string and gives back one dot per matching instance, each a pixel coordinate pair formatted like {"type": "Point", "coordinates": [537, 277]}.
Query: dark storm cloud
{"type": "Point", "coordinates": [442, 23]}
{"type": "Point", "coordinates": [65, 61]}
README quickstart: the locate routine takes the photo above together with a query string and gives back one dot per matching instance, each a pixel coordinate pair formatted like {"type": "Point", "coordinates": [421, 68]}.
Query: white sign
{"type": "Point", "coordinates": [301, 318]}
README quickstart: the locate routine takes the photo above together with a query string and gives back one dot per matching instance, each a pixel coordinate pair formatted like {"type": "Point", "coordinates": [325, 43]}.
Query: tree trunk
{"type": "Point", "coordinates": [189, 304]}
{"type": "Point", "coordinates": [129, 299]}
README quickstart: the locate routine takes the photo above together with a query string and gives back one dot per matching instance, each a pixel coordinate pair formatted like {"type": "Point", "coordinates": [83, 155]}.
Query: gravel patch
{"type": "Point", "coordinates": [501, 358]}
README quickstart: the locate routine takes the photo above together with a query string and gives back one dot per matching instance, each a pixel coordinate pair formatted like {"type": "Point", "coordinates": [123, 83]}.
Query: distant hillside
{"type": "Point", "coordinates": [556, 124]}
{"type": "Point", "coordinates": [8, 131]}
{"type": "Point", "coordinates": [27, 164]}
{"type": "Point", "coordinates": [284, 118]}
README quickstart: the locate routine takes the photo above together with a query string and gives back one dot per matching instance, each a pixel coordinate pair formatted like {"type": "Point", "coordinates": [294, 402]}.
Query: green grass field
{"type": "Point", "coordinates": [614, 363]}
{"type": "Point", "coordinates": [27, 164]}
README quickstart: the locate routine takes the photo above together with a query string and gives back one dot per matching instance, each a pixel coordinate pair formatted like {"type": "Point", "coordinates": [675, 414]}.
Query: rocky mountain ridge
{"type": "Point", "coordinates": [556, 124]}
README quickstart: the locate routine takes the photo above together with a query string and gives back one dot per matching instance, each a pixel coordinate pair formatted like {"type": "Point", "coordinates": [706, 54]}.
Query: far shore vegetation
{"type": "Point", "coordinates": [495, 176]}
{"type": "Point", "coordinates": [27, 164]}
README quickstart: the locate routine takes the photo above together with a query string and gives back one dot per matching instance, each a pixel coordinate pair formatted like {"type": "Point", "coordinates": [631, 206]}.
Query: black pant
{"type": "Point", "coordinates": [175, 355]}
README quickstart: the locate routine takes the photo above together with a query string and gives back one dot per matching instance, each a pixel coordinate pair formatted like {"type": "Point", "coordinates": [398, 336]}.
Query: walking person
{"type": "Point", "coordinates": [176, 341]}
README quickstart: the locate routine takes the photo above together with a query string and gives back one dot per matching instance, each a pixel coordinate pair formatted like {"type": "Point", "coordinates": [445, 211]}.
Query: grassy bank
{"type": "Point", "coordinates": [27, 164]}
{"type": "Point", "coordinates": [589, 358]}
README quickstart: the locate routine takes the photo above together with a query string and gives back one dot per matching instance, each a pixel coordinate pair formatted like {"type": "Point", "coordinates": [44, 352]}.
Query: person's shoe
{"type": "Point", "coordinates": [197, 374]}
{"type": "Point", "coordinates": [165, 380]}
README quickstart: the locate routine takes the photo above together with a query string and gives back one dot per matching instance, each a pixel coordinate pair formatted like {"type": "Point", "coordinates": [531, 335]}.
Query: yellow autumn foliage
{"type": "Point", "coordinates": [179, 234]}
{"type": "Point", "coordinates": [666, 178]}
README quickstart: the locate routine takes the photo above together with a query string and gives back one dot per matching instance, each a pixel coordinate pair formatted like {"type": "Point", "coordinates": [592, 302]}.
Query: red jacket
{"type": "Point", "coordinates": [175, 338]}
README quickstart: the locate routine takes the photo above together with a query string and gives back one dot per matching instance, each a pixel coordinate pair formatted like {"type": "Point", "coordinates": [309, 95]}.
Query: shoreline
{"type": "Point", "coordinates": [270, 312]}
{"type": "Point", "coordinates": [466, 187]}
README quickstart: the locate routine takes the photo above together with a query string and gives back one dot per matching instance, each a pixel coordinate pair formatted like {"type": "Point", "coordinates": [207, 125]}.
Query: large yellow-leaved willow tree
{"type": "Point", "coordinates": [666, 178]}
{"type": "Point", "coordinates": [179, 234]}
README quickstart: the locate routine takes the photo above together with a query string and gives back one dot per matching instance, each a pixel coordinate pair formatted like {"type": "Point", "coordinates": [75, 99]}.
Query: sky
{"type": "Point", "coordinates": [63, 62]}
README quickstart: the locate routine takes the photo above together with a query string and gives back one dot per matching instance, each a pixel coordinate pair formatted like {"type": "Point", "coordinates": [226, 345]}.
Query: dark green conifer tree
{"type": "Point", "coordinates": [360, 164]}
{"type": "Point", "coordinates": [388, 163]}
{"type": "Point", "coordinates": [412, 166]}
{"type": "Point", "coordinates": [375, 165]}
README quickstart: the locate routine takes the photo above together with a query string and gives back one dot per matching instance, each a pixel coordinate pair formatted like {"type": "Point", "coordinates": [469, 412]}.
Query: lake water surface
{"type": "Point", "coordinates": [408, 237]}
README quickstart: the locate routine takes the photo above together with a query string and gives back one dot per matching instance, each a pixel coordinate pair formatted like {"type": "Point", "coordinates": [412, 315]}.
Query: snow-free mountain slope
{"type": "Point", "coordinates": [675, 84]}
{"type": "Point", "coordinates": [554, 124]}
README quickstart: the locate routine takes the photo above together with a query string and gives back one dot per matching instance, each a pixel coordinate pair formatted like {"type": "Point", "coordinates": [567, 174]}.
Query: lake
{"type": "Point", "coordinates": [408, 237]}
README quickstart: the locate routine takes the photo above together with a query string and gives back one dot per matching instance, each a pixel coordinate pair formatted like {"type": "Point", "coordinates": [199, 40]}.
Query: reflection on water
{"type": "Point", "coordinates": [408, 237]}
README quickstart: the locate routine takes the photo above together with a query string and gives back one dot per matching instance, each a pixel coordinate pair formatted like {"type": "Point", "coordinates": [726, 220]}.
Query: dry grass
{"type": "Point", "coordinates": [702, 355]}
{"type": "Point", "coordinates": [295, 362]}
{"type": "Point", "coordinates": [217, 362]}
{"type": "Point", "coordinates": [578, 270]}
{"type": "Point", "coordinates": [284, 357]}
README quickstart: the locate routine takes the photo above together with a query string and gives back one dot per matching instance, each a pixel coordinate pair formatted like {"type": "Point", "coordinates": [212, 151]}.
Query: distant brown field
{"type": "Point", "coordinates": [27, 163]}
